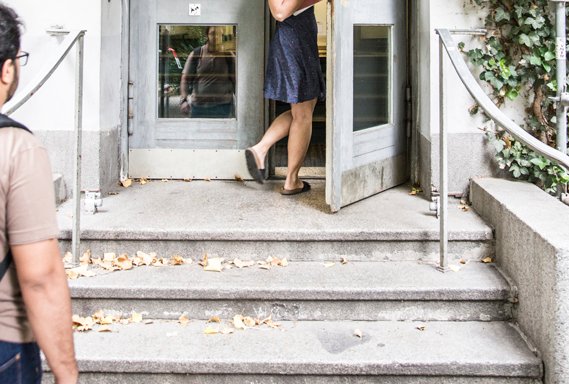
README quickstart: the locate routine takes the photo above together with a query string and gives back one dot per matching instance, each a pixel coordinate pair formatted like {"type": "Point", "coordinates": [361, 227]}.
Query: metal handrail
{"type": "Point", "coordinates": [73, 39]}
{"type": "Point", "coordinates": [448, 43]}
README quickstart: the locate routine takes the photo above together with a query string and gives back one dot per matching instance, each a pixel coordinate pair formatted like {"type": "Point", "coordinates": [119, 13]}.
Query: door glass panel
{"type": "Point", "coordinates": [197, 71]}
{"type": "Point", "coordinates": [372, 74]}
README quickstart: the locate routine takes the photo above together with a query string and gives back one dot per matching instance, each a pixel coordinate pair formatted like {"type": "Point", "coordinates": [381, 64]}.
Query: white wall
{"type": "Point", "coordinates": [52, 108]}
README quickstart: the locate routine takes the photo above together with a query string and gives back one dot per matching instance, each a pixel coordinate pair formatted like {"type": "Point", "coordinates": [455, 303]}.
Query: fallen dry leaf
{"type": "Point", "coordinates": [330, 264]}
{"type": "Point", "coordinates": [344, 261]}
{"type": "Point", "coordinates": [104, 328]}
{"type": "Point", "coordinates": [126, 183]}
{"type": "Point", "coordinates": [135, 318]}
{"type": "Point", "coordinates": [238, 322]}
{"type": "Point", "coordinates": [123, 262]}
{"type": "Point", "coordinates": [86, 258]}
{"type": "Point", "coordinates": [214, 319]}
{"type": "Point", "coordinates": [214, 265]}
{"type": "Point", "coordinates": [422, 328]}
{"type": "Point", "coordinates": [358, 333]}
{"type": "Point", "coordinates": [211, 331]}
{"type": "Point", "coordinates": [183, 320]}
{"type": "Point", "coordinates": [487, 260]}
{"type": "Point", "coordinates": [177, 260]}
{"type": "Point", "coordinates": [109, 256]}
{"type": "Point", "coordinates": [82, 324]}
{"type": "Point", "coordinates": [68, 258]}
{"type": "Point", "coordinates": [243, 264]}
{"type": "Point", "coordinates": [203, 261]}
{"type": "Point", "coordinates": [238, 178]}
{"type": "Point", "coordinates": [143, 181]}
{"type": "Point", "coordinates": [249, 322]}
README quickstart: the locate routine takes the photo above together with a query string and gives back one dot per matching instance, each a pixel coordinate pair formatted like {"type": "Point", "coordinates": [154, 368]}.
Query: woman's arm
{"type": "Point", "coordinates": [283, 9]}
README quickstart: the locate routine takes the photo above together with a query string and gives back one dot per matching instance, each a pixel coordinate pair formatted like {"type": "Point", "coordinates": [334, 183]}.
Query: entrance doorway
{"type": "Point", "coordinates": [360, 130]}
{"type": "Point", "coordinates": [315, 161]}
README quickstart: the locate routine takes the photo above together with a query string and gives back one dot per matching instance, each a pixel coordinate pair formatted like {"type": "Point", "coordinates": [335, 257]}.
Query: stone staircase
{"type": "Point", "coordinates": [385, 316]}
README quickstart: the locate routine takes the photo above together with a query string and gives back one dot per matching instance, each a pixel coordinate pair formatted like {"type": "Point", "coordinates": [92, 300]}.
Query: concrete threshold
{"type": "Point", "coordinates": [224, 210]}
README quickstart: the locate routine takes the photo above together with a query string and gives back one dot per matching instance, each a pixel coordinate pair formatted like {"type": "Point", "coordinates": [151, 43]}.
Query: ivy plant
{"type": "Point", "coordinates": [518, 58]}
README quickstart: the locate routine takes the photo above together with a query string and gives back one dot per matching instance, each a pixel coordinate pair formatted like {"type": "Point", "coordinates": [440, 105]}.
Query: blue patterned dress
{"type": "Point", "coordinates": [293, 72]}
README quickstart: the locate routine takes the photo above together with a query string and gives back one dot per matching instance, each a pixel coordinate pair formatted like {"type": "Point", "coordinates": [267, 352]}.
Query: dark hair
{"type": "Point", "coordinates": [10, 33]}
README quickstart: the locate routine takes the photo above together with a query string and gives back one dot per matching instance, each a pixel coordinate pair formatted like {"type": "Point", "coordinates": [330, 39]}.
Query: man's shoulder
{"type": "Point", "coordinates": [14, 140]}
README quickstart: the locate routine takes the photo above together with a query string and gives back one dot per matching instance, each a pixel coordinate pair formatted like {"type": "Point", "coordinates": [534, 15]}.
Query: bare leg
{"type": "Point", "coordinates": [278, 130]}
{"type": "Point", "coordinates": [298, 141]}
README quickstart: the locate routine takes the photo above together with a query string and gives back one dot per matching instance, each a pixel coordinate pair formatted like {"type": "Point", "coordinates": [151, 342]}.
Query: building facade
{"type": "Point", "coordinates": [378, 127]}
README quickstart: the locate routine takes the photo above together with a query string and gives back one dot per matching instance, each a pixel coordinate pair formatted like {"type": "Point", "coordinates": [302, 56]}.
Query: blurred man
{"type": "Point", "coordinates": [35, 307]}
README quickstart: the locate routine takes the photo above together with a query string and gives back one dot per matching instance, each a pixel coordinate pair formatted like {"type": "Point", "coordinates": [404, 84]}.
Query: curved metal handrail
{"type": "Point", "coordinates": [57, 58]}
{"type": "Point", "coordinates": [490, 108]}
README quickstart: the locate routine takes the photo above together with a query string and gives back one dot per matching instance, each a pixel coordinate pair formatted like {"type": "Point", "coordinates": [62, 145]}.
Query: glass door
{"type": "Point", "coordinates": [367, 139]}
{"type": "Point", "coordinates": [196, 82]}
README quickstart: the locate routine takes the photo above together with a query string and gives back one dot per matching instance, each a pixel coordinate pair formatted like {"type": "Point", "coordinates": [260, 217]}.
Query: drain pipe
{"type": "Point", "coordinates": [561, 54]}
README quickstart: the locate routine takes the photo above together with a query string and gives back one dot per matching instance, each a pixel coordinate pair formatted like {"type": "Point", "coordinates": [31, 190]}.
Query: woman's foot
{"type": "Point", "coordinates": [289, 192]}
{"type": "Point", "coordinates": [254, 165]}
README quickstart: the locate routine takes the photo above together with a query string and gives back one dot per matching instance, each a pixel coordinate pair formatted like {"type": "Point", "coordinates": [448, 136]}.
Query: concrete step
{"type": "Point", "coordinates": [245, 220]}
{"type": "Point", "coordinates": [309, 352]}
{"type": "Point", "coordinates": [301, 291]}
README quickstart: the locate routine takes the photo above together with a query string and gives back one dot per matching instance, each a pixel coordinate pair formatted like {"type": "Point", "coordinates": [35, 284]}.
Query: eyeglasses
{"type": "Point", "coordinates": [23, 57]}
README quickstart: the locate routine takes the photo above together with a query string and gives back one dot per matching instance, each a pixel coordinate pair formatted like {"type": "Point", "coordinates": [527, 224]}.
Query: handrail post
{"type": "Point", "coordinates": [75, 236]}
{"type": "Point", "coordinates": [561, 55]}
{"type": "Point", "coordinates": [443, 166]}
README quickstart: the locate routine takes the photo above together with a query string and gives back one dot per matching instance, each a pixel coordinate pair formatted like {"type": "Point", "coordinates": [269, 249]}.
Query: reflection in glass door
{"type": "Point", "coordinates": [197, 71]}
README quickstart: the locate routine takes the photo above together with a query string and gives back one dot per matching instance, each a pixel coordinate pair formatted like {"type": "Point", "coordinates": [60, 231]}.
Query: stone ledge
{"type": "Point", "coordinates": [532, 247]}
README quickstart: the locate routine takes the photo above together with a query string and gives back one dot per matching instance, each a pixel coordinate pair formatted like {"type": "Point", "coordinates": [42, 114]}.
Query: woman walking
{"type": "Point", "coordinates": [293, 76]}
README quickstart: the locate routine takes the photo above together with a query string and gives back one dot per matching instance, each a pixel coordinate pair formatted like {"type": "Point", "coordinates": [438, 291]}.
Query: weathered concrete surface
{"type": "Point", "coordinates": [301, 291]}
{"type": "Point", "coordinates": [134, 378]}
{"type": "Point", "coordinates": [312, 348]}
{"type": "Point", "coordinates": [532, 240]}
{"type": "Point", "coordinates": [246, 220]}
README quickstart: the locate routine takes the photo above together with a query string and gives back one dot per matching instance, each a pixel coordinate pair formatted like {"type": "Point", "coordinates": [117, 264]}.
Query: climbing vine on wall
{"type": "Point", "coordinates": [518, 58]}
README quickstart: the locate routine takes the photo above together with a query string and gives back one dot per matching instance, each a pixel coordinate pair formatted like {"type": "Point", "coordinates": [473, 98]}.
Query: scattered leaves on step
{"type": "Point", "coordinates": [126, 183]}
{"type": "Point", "coordinates": [82, 324]}
{"type": "Point", "coordinates": [487, 260]}
{"type": "Point", "coordinates": [82, 271]}
{"type": "Point", "coordinates": [184, 320]}
{"type": "Point", "coordinates": [358, 333]}
{"type": "Point", "coordinates": [329, 264]}
{"type": "Point", "coordinates": [143, 181]}
{"type": "Point", "coordinates": [421, 328]}
{"type": "Point", "coordinates": [111, 262]}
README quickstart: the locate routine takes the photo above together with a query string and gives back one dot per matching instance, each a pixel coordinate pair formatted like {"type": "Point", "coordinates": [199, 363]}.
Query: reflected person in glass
{"type": "Point", "coordinates": [208, 80]}
{"type": "Point", "coordinates": [293, 76]}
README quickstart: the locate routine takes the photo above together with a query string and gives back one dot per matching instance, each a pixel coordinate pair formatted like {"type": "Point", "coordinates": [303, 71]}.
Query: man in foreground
{"type": "Point", "coordinates": [35, 307]}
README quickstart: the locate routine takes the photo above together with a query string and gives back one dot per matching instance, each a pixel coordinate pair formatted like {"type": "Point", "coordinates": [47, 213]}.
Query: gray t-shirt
{"type": "Point", "coordinates": [27, 216]}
